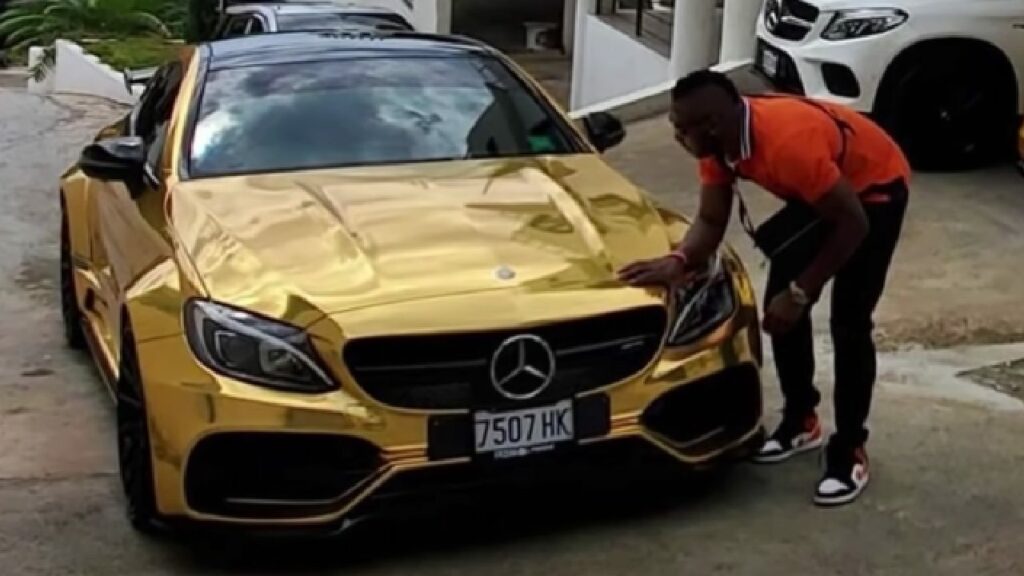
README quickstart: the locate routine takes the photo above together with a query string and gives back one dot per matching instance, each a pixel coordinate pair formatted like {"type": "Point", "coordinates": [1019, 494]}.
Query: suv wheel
{"type": "Point", "coordinates": [949, 111]}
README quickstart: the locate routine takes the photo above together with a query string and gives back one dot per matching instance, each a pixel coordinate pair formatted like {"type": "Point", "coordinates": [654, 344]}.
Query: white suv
{"type": "Point", "coordinates": [945, 77]}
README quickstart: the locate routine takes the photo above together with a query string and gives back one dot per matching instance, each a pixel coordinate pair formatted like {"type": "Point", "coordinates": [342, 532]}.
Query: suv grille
{"type": "Point", "coordinates": [790, 19]}
{"type": "Point", "coordinates": [453, 371]}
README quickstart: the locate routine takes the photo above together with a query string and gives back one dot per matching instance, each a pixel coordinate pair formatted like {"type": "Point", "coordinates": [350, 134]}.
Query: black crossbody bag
{"type": "Point", "coordinates": [797, 223]}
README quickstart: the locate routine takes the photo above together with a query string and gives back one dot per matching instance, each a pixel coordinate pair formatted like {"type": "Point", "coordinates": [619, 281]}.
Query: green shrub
{"type": "Point", "coordinates": [39, 22]}
{"type": "Point", "coordinates": [140, 52]}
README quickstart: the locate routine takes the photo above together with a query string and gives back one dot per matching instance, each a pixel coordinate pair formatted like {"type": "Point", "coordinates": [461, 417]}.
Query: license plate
{"type": "Point", "coordinates": [770, 62]}
{"type": "Point", "coordinates": [523, 432]}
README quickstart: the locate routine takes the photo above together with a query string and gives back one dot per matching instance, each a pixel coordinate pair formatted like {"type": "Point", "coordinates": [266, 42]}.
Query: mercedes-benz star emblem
{"type": "Point", "coordinates": [505, 273]}
{"type": "Point", "coordinates": [522, 367]}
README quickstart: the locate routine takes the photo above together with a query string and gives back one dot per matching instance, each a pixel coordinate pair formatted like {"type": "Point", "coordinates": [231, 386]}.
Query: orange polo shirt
{"type": "Point", "coordinates": [791, 149]}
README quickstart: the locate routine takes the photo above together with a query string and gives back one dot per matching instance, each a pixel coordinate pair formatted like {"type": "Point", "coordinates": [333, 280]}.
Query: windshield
{"type": "Point", "coordinates": [375, 110]}
{"type": "Point", "coordinates": [338, 20]}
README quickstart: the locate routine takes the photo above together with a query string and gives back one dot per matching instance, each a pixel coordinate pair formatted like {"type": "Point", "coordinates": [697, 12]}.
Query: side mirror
{"type": "Point", "coordinates": [121, 158]}
{"type": "Point", "coordinates": [604, 130]}
{"type": "Point", "coordinates": [137, 76]}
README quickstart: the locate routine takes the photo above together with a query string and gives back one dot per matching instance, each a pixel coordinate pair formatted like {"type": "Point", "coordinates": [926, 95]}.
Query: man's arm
{"type": "Point", "coordinates": [840, 208]}
{"type": "Point", "coordinates": [708, 229]}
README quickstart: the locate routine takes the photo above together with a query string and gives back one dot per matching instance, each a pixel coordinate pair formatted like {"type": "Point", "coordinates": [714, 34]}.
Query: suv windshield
{"type": "Point", "coordinates": [338, 20]}
{"type": "Point", "coordinates": [374, 110]}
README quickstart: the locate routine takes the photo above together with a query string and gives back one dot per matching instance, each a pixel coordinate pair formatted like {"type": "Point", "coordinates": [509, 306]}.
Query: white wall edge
{"type": "Point", "coordinates": [79, 72]}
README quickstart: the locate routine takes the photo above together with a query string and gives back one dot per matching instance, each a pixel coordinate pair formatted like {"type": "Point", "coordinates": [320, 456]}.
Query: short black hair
{"type": "Point", "coordinates": [693, 81]}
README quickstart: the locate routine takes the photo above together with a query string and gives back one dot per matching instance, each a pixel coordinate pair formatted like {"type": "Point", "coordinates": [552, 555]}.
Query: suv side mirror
{"type": "Point", "coordinates": [604, 130]}
{"type": "Point", "coordinates": [121, 158]}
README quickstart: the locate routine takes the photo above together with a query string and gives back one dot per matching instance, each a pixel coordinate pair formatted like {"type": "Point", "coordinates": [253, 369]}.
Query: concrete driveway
{"type": "Point", "coordinates": [947, 456]}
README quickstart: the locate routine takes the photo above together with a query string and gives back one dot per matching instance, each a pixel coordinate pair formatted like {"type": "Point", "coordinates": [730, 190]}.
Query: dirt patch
{"type": "Point", "coordinates": [39, 276]}
{"type": "Point", "coordinates": [1006, 378]}
{"type": "Point", "coordinates": [933, 333]}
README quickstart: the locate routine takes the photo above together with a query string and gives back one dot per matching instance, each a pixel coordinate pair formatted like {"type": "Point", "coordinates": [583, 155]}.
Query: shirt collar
{"type": "Point", "coordinates": [746, 148]}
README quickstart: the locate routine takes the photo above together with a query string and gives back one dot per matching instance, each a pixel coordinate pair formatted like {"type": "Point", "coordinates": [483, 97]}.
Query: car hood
{"type": "Point", "coordinates": [301, 245]}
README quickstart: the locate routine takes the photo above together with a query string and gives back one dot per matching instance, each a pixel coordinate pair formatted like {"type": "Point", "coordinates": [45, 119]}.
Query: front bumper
{"type": "Point", "coordinates": [228, 453]}
{"type": "Point", "coordinates": [847, 72]}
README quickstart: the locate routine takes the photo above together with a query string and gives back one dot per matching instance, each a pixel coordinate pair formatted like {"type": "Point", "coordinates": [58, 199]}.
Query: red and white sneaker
{"type": "Point", "coordinates": [846, 475]}
{"type": "Point", "coordinates": [793, 436]}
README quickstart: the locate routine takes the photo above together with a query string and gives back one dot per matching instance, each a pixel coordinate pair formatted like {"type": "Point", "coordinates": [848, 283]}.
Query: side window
{"type": "Point", "coordinates": [163, 106]}
{"type": "Point", "coordinates": [141, 120]}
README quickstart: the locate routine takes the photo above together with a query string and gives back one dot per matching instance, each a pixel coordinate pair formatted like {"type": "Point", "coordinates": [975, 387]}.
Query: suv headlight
{"type": "Point", "coordinates": [253, 349]}
{"type": "Point", "coordinates": [703, 305]}
{"type": "Point", "coordinates": [848, 24]}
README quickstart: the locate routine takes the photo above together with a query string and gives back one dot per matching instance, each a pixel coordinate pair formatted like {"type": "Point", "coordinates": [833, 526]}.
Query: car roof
{"type": "Point", "coordinates": [308, 8]}
{"type": "Point", "coordinates": [295, 47]}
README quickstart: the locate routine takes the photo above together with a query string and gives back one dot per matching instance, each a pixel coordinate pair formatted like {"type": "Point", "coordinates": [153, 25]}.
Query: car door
{"type": "Point", "coordinates": [129, 230]}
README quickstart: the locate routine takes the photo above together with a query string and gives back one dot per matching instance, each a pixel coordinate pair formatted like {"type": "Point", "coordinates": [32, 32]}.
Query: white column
{"type": "Point", "coordinates": [739, 25]}
{"type": "Point", "coordinates": [433, 16]}
{"type": "Point", "coordinates": [692, 39]}
{"type": "Point", "coordinates": [444, 16]}
{"type": "Point", "coordinates": [584, 9]}
{"type": "Point", "coordinates": [568, 24]}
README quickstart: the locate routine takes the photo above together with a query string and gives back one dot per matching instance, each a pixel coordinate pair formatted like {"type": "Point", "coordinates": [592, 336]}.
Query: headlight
{"type": "Point", "coordinates": [703, 305]}
{"type": "Point", "coordinates": [847, 24]}
{"type": "Point", "coordinates": [253, 349]}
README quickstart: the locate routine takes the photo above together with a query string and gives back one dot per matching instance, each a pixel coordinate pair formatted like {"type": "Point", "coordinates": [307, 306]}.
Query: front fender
{"type": "Point", "coordinates": [74, 203]}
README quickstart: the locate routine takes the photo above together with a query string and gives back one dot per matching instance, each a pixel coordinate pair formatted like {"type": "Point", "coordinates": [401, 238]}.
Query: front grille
{"type": "Point", "coordinates": [272, 475]}
{"type": "Point", "coordinates": [453, 371]}
{"type": "Point", "coordinates": [527, 481]}
{"type": "Point", "coordinates": [790, 19]}
{"type": "Point", "coordinates": [802, 10]}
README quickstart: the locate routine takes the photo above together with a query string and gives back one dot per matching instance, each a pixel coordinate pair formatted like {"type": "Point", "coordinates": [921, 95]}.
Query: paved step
{"type": "Point", "coordinates": [13, 77]}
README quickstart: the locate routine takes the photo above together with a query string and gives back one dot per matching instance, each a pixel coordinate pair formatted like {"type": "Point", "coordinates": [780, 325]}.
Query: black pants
{"type": "Point", "coordinates": [856, 289]}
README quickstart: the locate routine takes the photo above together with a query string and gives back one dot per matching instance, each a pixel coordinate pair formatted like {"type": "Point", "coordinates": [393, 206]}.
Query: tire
{"type": "Point", "coordinates": [134, 449]}
{"type": "Point", "coordinates": [74, 334]}
{"type": "Point", "coordinates": [949, 112]}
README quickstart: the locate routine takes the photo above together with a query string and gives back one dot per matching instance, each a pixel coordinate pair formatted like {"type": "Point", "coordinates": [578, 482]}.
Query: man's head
{"type": "Point", "coordinates": [706, 113]}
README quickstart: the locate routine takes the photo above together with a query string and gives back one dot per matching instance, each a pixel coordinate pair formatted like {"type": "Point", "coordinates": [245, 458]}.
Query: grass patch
{"type": "Point", "coordinates": [139, 52]}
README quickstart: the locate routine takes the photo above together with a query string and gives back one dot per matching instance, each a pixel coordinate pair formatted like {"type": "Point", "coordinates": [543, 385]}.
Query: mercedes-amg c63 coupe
{"type": "Point", "coordinates": [319, 269]}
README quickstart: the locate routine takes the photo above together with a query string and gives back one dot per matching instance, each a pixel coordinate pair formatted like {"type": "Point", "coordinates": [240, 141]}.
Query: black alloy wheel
{"type": "Point", "coordinates": [74, 334]}
{"type": "Point", "coordinates": [133, 445]}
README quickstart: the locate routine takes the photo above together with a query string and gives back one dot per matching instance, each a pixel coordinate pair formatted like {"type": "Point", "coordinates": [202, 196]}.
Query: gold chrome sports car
{"type": "Point", "coordinates": [319, 269]}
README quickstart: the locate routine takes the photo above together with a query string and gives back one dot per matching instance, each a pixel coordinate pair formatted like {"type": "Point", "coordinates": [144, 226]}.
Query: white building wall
{"type": "Point", "coordinates": [608, 64]}
{"type": "Point", "coordinates": [78, 72]}
{"type": "Point", "coordinates": [611, 68]}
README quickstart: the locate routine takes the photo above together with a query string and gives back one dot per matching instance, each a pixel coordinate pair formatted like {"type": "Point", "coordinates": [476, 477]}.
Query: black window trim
{"type": "Point", "coordinates": [169, 97]}
{"type": "Point", "coordinates": [576, 143]}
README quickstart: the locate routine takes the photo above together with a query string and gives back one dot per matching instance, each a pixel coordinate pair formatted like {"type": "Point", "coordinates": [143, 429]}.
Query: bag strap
{"type": "Point", "coordinates": [842, 125]}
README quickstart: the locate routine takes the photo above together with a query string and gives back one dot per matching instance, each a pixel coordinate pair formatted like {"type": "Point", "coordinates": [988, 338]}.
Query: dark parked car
{"type": "Point", "coordinates": [246, 18]}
